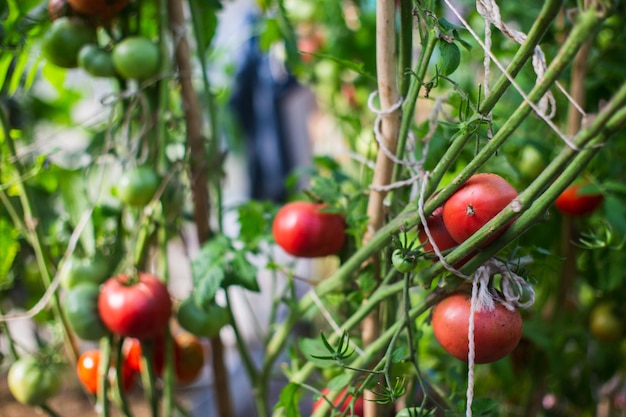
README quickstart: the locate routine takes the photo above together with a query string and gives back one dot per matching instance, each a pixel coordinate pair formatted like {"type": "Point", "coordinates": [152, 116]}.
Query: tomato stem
{"type": "Point", "coordinates": [46, 408]}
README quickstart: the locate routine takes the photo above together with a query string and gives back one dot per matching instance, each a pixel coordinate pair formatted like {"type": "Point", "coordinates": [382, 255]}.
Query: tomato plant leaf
{"type": "Point", "coordinates": [4, 9]}
{"type": "Point", "coordinates": [207, 19]}
{"type": "Point", "coordinates": [484, 406]}
{"type": "Point", "coordinates": [242, 272]}
{"type": "Point", "coordinates": [339, 382]}
{"type": "Point", "coordinates": [254, 221]}
{"type": "Point", "coordinates": [72, 187]}
{"type": "Point", "coordinates": [289, 399]}
{"type": "Point", "coordinates": [450, 57]}
{"type": "Point", "coordinates": [208, 269]}
{"type": "Point", "coordinates": [270, 33]}
{"type": "Point", "coordinates": [317, 352]}
{"type": "Point", "coordinates": [10, 247]}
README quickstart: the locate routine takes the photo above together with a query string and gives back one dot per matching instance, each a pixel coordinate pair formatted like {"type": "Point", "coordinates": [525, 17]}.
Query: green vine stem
{"type": "Point", "coordinates": [49, 411]}
{"type": "Point", "coordinates": [118, 389]}
{"type": "Point", "coordinates": [525, 221]}
{"type": "Point", "coordinates": [586, 25]}
{"type": "Point", "coordinates": [379, 344]}
{"type": "Point", "coordinates": [35, 237]}
{"type": "Point", "coordinates": [405, 45]}
{"type": "Point", "coordinates": [103, 372]}
{"type": "Point", "coordinates": [544, 20]}
{"type": "Point", "coordinates": [521, 57]}
{"type": "Point", "coordinates": [149, 377]}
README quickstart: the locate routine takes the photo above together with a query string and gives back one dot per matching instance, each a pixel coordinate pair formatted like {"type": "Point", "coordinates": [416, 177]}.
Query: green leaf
{"type": "Point", "coordinates": [208, 21]}
{"type": "Point", "coordinates": [242, 272]}
{"type": "Point", "coordinates": [289, 400]}
{"type": "Point", "coordinates": [76, 202]}
{"type": "Point", "coordinates": [450, 57]}
{"type": "Point", "coordinates": [357, 67]}
{"type": "Point", "coordinates": [325, 188]}
{"type": "Point", "coordinates": [270, 33]}
{"type": "Point", "coordinates": [207, 269]}
{"type": "Point", "coordinates": [447, 26]}
{"type": "Point", "coordinates": [254, 221]}
{"type": "Point", "coordinates": [484, 406]}
{"type": "Point", "coordinates": [399, 354]}
{"type": "Point", "coordinates": [10, 247]}
{"type": "Point", "coordinates": [4, 9]}
{"type": "Point", "coordinates": [314, 350]}
{"type": "Point", "coordinates": [339, 382]}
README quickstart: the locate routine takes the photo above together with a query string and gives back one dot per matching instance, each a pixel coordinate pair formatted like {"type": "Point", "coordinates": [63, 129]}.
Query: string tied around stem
{"type": "Point", "coordinates": [515, 292]}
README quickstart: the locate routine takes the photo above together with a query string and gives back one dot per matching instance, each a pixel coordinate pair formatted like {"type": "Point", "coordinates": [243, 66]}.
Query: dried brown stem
{"type": "Point", "coordinates": [198, 177]}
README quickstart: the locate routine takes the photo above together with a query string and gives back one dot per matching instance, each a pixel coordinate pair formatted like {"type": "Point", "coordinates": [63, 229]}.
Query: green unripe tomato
{"type": "Point", "coordinates": [77, 270]}
{"type": "Point", "coordinates": [81, 311]}
{"type": "Point", "coordinates": [96, 61]}
{"type": "Point", "coordinates": [401, 262]}
{"type": "Point", "coordinates": [531, 162]}
{"type": "Point", "coordinates": [136, 58]}
{"type": "Point", "coordinates": [64, 40]}
{"type": "Point", "coordinates": [605, 324]}
{"type": "Point", "coordinates": [32, 382]}
{"type": "Point", "coordinates": [200, 321]}
{"type": "Point", "coordinates": [137, 186]}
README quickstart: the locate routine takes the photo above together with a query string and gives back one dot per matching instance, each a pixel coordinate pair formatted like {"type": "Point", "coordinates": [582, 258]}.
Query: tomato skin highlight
{"type": "Point", "coordinates": [139, 309]}
{"type": "Point", "coordinates": [341, 405]}
{"type": "Point", "coordinates": [575, 204]}
{"type": "Point", "coordinates": [137, 186]}
{"type": "Point", "coordinates": [303, 230]}
{"type": "Point", "coordinates": [137, 58]}
{"type": "Point", "coordinates": [476, 202]}
{"type": "Point", "coordinates": [31, 382]}
{"type": "Point", "coordinates": [496, 332]}
{"type": "Point", "coordinates": [87, 371]}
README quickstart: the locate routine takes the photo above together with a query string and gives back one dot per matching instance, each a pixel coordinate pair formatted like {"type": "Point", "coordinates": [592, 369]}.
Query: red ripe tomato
{"type": "Point", "coordinates": [189, 357]}
{"type": "Point", "coordinates": [438, 230]}
{"type": "Point", "coordinates": [496, 332]}
{"type": "Point", "coordinates": [135, 308]}
{"type": "Point", "coordinates": [103, 9]}
{"type": "Point", "coordinates": [576, 204]}
{"type": "Point", "coordinates": [58, 8]}
{"type": "Point", "coordinates": [132, 353]}
{"type": "Point", "coordinates": [342, 402]}
{"type": "Point", "coordinates": [87, 371]}
{"type": "Point", "coordinates": [479, 200]}
{"type": "Point", "coordinates": [302, 229]}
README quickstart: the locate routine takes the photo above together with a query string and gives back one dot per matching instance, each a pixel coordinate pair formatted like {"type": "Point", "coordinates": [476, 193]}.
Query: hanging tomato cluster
{"type": "Point", "coordinates": [75, 39]}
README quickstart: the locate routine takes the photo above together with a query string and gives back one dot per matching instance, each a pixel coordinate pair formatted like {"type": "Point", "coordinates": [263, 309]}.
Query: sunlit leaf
{"type": "Point", "coordinates": [289, 400]}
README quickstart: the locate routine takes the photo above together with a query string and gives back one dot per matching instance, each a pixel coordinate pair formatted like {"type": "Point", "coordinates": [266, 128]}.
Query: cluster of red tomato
{"type": "Point", "coordinates": [72, 41]}
{"type": "Point", "coordinates": [307, 229]}
{"type": "Point", "coordinates": [135, 307]}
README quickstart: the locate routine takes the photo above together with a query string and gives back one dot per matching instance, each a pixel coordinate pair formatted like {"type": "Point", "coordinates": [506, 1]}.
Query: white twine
{"type": "Point", "coordinates": [378, 134]}
{"type": "Point", "coordinates": [483, 298]}
{"type": "Point", "coordinates": [539, 109]}
{"type": "Point", "coordinates": [420, 211]}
